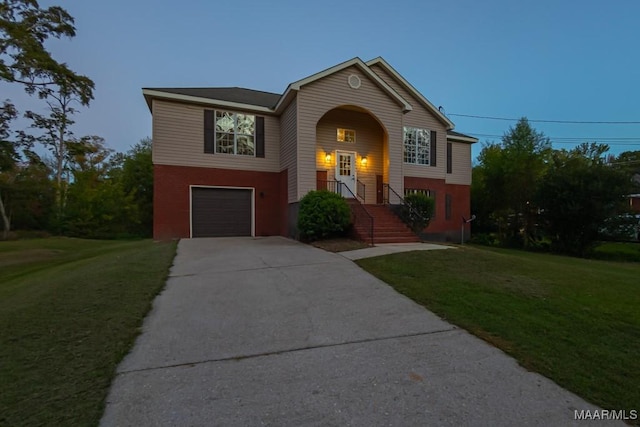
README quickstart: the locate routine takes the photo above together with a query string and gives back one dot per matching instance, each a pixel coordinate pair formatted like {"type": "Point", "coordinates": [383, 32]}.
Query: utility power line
{"type": "Point", "coordinates": [579, 122]}
{"type": "Point", "coordinates": [574, 140]}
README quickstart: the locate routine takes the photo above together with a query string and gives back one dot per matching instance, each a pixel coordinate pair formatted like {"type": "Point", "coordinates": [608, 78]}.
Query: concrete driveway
{"type": "Point", "coordinates": [268, 331]}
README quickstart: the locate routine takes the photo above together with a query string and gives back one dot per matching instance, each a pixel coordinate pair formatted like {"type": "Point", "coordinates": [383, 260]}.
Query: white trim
{"type": "Point", "coordinates": [354, 168]}
{"type": "Point", "coordinates": [253, 204]}
{"type": "Point", "coordinates": [362, 66]}
{"type": "Point", "coordinates": [470, 139]}
{"type": "Point", "coordinates": [207, 101]}
{"type": "Point", "coordinates": [380, 61]}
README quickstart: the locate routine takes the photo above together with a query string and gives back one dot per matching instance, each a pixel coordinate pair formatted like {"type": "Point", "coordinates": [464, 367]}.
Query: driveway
{"type": "Point", "coordinates": [269, 331]}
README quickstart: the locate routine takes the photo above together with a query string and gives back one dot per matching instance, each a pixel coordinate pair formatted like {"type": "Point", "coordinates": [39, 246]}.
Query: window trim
{"type": "Point", "coordinates": [235, 133]}
{"type": "Point", "coordinates": [344, 133]}
{"type": "Point", "coordinates": [416, 147]}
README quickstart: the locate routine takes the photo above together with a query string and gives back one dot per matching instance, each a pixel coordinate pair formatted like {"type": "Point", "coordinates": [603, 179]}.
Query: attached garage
{"type": "Point", "coordinates": [221, 211]}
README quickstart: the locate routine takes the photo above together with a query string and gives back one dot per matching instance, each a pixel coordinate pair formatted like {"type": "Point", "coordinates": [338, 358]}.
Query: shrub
{"type": "Point", "coordinates": [322, 215]}
{"type": "Point", "coordinates": [417, 211]}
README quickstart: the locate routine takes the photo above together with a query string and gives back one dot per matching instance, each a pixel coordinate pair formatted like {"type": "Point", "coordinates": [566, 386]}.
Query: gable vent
{"type": "Point", "coordinates": [354, 81]}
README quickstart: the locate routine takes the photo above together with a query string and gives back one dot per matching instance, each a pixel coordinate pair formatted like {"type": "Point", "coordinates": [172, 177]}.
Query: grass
{"type": "Point", "coordinates": [618, 251]}
{"type": "Point", "coordinates": [573, 320]}
{"type": "Point", "coordinates": [70, 310]}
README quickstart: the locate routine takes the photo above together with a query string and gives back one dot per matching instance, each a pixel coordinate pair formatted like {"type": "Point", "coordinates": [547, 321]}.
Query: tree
{"type": "Point", "coordinates": [24, 29]}
{"type": "Point", "coordinates": [579, 193]}
{"type": "Point", "coordinates": [137, 179]}
{"type": "Point", "coordinates": [8, 163]}
{"type": "Point", "coordinates": [98, 205]}
{"type": "Point", "coordinates": [508, 177]}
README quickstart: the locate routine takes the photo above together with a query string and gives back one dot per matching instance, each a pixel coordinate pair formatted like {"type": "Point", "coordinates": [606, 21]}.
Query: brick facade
{"type": "Point", "coordinates": [443, 228]}
{"type": "Point", "coordinates": [171, 198]}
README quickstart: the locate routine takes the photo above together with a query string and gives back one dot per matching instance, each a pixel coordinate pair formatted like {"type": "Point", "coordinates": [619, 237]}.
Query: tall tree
{"type": "Point", "coordinates": [579, 193]}
{"type": "Point", "coordinates": [24, 29]}
{"type": "Point", "coordinates": [8, 163]}
{"type": "Point", "coordinates": [509, 173]}
{"type": "Point", "coordinates": [137, 179]}
{"type": "Point", "coordinates": [54, 132]}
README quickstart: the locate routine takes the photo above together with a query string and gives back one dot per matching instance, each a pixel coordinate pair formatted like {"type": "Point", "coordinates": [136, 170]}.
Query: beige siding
{"type": "Point", "coordinates": [288, 139]}
{"type": "Point", "coordinates": [420, 117]}
{"type": "Point", "coordinates": [369, 144]}
{"type": "Point", "coordinates": [321, 96]}
{"type": "Point", "coordinates": [460, 164]}
{"type": "Point", "coordinates": [178, 139]}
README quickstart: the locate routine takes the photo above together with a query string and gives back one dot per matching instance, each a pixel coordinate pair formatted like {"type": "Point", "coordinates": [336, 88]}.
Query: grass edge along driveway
{"type": "Point", "coordinates": [576, 321]}
{"type": "Point", "coordinates": [70, 310]}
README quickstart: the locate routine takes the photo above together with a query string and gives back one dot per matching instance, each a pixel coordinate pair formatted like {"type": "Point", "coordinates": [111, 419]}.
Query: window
{"type": "Point", "coordinates": [346, 135]}
{"type": "Point", "coordinates": [449, 157]}
{"type": "Point", "coordinates": [447, 206]}
{"type": "Point", "coordinates": [417, 144]}
{"type": "Point", "coordinates": [235, 133]}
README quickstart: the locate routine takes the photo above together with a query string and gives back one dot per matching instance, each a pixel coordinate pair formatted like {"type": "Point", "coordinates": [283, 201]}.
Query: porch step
{"type": "Point", "coordinates": [388, 228]}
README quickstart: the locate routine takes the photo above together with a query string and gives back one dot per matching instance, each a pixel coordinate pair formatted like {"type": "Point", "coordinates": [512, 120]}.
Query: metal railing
{"type": "Point", "coordinates": [361, 191]}
{"type": "Point", "coordinates": [364, 213]}
{"type": "Point", "coordinates": [388, 192]}
{"type": "Point", "coordinates": [331, 186]}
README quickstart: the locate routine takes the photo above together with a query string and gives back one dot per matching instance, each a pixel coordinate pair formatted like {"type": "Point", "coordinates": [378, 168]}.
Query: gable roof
{"type": "Point", "coordinates": [412, 90]}
{"type": "Point", "coordinates": [357, 62]}
{"type": "Point", "coordinates": [235, 97]}
{"type": "Point", "coordinates": [231, 94]}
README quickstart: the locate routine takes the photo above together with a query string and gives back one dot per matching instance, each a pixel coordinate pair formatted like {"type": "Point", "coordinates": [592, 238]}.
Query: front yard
{"type": "Point", "coordinates": [573, 320]}
{"type": "Point", "coordinates": [70, 309]}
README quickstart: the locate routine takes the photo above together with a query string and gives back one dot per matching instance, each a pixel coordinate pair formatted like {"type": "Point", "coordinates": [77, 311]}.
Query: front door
{"type": "Point", "coordinates": [346, 172]}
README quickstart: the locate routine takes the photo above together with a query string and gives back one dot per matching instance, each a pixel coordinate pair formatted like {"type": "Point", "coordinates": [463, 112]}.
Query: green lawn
{"type": "Point", "coordinates": [573, 320]}
{"type": "Point", "coordinates": [618, 251]}
{"type": "Point", "coordinates": [70, 309]}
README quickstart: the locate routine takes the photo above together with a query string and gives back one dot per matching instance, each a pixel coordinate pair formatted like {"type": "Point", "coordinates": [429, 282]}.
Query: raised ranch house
{"type": "Point", "coordinates": [236, 162]}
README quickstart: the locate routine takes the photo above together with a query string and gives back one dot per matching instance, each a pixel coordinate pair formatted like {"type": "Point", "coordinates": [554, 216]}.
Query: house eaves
{"type": "Point", "coordinates": [412, 90]}
{"type": "Point", "coordinates": [295, 86]}
{"type": "Point", "coordinates": [150, 94]}
{"type": "Point", "coordinates": [460, 137]}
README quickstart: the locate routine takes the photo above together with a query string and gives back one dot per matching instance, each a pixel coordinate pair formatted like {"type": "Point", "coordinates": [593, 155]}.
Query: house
{"type": "Point", "coordinates": [234, 161]}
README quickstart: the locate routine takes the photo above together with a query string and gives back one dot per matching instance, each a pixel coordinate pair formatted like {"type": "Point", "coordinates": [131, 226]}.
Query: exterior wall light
{"type": "Point", "coordinates": [327, 157]}
{"type": "Point", "coordinates": [363, 161]}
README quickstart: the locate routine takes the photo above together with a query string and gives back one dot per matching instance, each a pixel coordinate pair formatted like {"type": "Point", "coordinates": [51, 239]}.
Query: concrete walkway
{"type": "Point", "coordinates": [268, 331]}
{"type": "Point", "coordinates": [391, 248]}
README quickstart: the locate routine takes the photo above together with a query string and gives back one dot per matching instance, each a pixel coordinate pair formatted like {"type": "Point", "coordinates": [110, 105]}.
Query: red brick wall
{"type": "Point", "coordinates": [171, 197]}
{"type": "Point", "coordinates": [460, 205]}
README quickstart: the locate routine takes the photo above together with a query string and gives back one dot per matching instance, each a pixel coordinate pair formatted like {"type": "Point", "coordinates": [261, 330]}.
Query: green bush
{"type": "Point", "coordinates": [417, 211]}
{"type": "Point", "coordinates": [322, 215]}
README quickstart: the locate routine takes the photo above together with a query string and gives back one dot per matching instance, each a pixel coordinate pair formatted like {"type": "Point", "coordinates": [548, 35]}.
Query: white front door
{"type": "Point", "coordinates": [346, 172]}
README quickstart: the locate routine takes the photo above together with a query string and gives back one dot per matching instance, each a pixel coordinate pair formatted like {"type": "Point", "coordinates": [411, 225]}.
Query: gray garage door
{"type": "Point", "coordinates": [218, 212]}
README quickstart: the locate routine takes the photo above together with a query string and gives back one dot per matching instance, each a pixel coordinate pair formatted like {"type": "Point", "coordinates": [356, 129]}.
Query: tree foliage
{"type": "Point", "coordinates": [506, 182]}
{"type": "Point", "coordinates": [25, 27]}
{"type": "Point", "coordinates": [578, 194]}
{"type": "Point", "coordinates": [526, 192]}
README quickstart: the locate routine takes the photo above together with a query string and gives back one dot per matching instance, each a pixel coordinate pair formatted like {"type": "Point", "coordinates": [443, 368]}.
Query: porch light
{"type": "Point", "coordinates": [327, 157]}
{"type": "Point", "coordinates": [363, 161]}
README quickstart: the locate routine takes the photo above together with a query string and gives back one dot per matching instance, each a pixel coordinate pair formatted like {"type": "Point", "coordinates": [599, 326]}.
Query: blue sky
{"type": "Point", "coordinates": [560, 60]}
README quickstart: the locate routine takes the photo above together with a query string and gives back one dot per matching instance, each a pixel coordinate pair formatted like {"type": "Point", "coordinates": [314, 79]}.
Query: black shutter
{"type": "Point", "coordinates": [449, 157]}
{"type": "Point", "coordinates": [433, 150]}
{"type": "Point", "coordinates": [209, 131]}
{"type": "Point", "coordinates": [259, 136]}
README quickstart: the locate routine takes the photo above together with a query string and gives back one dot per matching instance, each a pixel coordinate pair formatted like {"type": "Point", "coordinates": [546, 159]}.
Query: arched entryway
{"type": "Point", "coordinates": [352, 147]}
